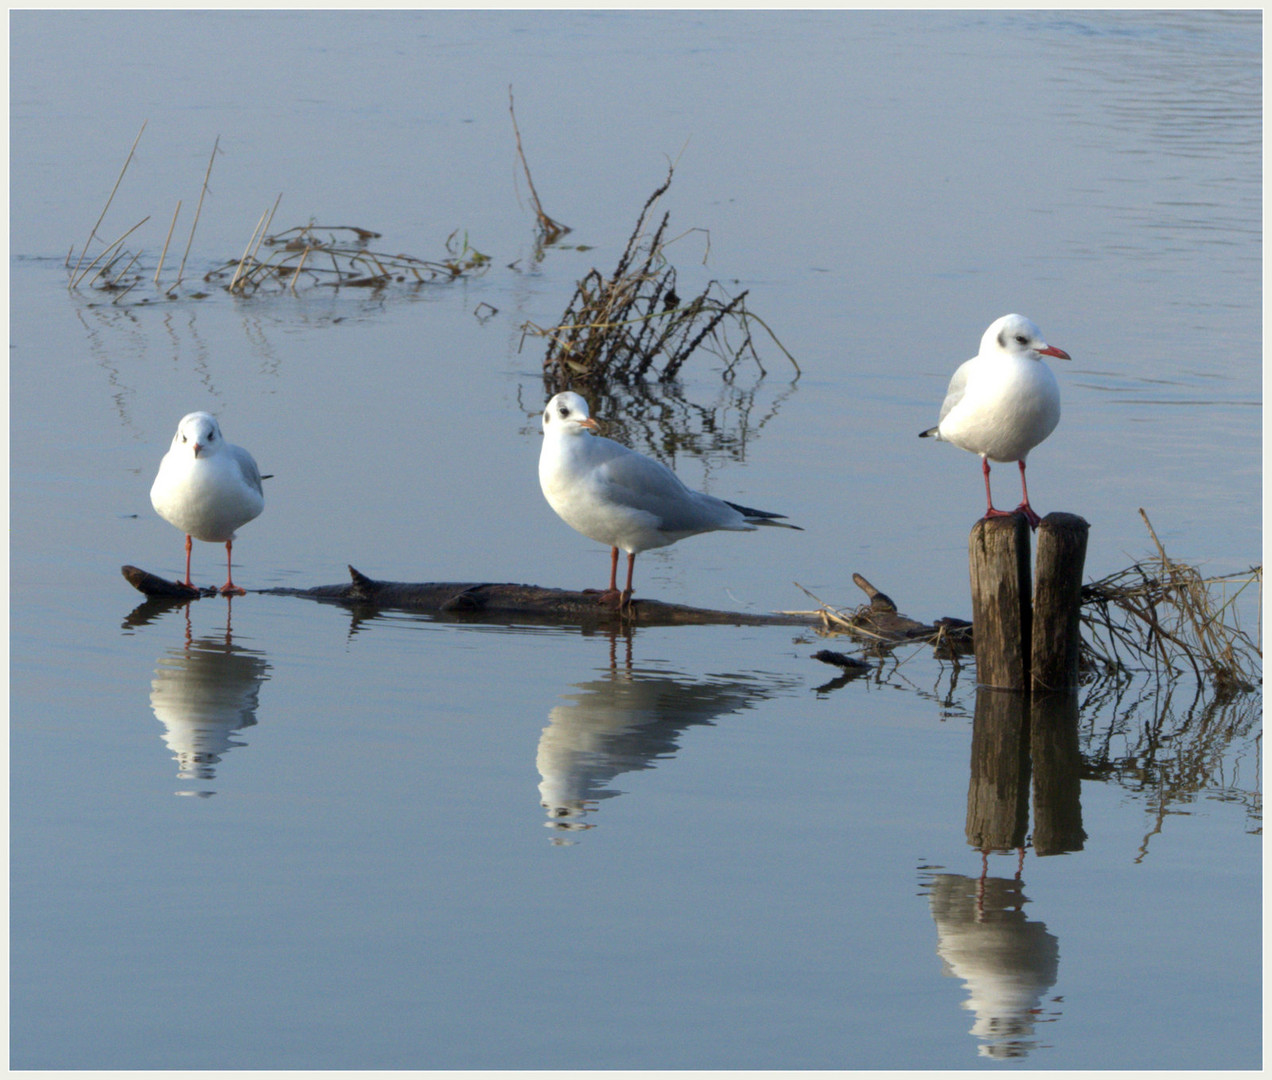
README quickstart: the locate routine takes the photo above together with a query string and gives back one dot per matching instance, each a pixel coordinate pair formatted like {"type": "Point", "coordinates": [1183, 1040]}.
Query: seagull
{"type": "Point", "coordinates": [207, 488]}
{"type": "Point", "coordinates": [1003, 402]}
{"type": "Point", "coordinates": [615, 496]}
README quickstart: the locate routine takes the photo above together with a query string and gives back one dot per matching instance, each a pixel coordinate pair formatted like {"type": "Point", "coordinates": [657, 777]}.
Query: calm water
{"type": "Point", "coordinates": [272, 834]}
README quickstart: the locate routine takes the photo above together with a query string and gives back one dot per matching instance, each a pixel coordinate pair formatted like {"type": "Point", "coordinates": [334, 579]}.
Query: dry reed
{"type": "Point", "coordinates": [549, 231]}
{"type": "Point", "coordinates": [338, 256]}
{"type": "Point", "coordinates": [297, 256]}
{"type": "Point", "coordinates": [110, 199]}
{"type": "Point", "coordinates": [622, 327]}
{"type": "Point", "coordinates": [1166, 613]}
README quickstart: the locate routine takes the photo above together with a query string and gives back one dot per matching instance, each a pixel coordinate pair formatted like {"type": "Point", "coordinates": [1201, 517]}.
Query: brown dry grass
{"type": "Point", "coordinates": [632, 323]}
{"type": "Point", "coordinates": [1165, 613]}
{"type": "Point", "coordinates": [306, 255]}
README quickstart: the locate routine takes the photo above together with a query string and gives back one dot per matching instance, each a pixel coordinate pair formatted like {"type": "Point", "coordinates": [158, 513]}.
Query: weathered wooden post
{"type": "Point", "coordinates": [1057, 602]}
{"type": "Point", "coordinates": [1027, 637]}
{"type": "Point", "coordinates": [1027, 641]}
{"type": "Point", "coordinates": [1001, 608]}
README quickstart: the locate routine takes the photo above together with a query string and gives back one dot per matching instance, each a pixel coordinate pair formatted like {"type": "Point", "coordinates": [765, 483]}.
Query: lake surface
{"type": "Point", "coordinates": [269, 833]}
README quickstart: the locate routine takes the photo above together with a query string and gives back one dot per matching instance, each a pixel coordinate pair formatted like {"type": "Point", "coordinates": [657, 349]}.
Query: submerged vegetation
{"type": "Point", "coordinates": [298, 257]}
{"type": "Point", "coordinates": [340, 258]}
{"type": "Point", "coordinates": [617, 330]}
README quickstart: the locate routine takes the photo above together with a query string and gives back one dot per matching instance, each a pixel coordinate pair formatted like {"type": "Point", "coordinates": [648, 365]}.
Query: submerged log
{"type": "Point", "coordinates": [485, 600]}
{"type": "Point", "coordinates": [878, 622]}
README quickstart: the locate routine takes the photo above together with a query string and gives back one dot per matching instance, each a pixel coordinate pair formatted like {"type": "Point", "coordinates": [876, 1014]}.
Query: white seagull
{"type": "Point", "coordinates": [1003, 402]}
{"type": "Point", "coordinates": [618, 497]}
{"type": "Point", "coordinates": [207, 488]}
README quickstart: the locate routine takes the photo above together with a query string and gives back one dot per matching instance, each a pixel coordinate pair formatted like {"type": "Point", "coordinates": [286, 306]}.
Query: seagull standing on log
{"type": "Point", "coordinates": [1003, 402]}
{"type": "Point", "coordinates": [207, 488]}
{"type": "Point", "coordinates": [615, 496]}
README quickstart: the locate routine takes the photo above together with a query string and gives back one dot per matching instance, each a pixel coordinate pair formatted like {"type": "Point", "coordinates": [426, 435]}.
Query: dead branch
{"type": "Point", "coordinates": [881, 627]}
{"type": "Point", "coordinates": [549, 231]}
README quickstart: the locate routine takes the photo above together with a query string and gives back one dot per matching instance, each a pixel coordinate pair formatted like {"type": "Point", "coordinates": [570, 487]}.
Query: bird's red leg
{"type": "Point", "coordinates": [610, 595]}
{"type": "Point", "coordinates": [189, 545]}
{"type": "Point", "coordinates": [989, 499]}
{"type": "Point", "coordinates": [1024, 508]}
{"type": "Point", "coordinates": [626, 598]}
{"type": "Point", "coordinates": [229, 588]}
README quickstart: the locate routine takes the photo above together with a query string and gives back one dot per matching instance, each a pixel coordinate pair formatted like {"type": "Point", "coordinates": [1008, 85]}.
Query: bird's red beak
{"type": "Point", "coordinates": [590, 424]}
{"type": "Point", "coordinates": [1051, 350]}
{"type": "Point", "coordinates": [198, 449]}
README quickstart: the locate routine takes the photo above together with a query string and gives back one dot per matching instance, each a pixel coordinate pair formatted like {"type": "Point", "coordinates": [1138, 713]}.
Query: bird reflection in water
{"type": "Point", "coordinates": [627, 720]}
{"type": "Point", "coordinates": [203, 692]}
{"type": "Point", "coordinates": [1007, 961]}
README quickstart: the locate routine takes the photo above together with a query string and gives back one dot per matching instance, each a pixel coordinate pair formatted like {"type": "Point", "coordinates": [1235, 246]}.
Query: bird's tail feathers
{"type": "Point", "coordinates": [762, 517]}
{"type": "Point", "coordinates": [931, 433]}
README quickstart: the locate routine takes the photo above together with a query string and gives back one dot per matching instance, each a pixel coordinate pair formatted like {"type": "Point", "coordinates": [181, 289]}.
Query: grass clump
{"type": "Point", "coordinates": [305, 255]}
{"type": "Point", "coordinates": [1168, 614]}
{"type": "Point", "coordinates": [338, 256]}
{"type": "Point", "coordinates": [633, 323]}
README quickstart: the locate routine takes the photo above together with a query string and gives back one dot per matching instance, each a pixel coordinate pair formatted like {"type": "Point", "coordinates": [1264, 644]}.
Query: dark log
{"type": "Point", "coordinates": [998, 791]}
{"type": "Point", "coordinates": [1057, 602]}
{"type": "Point", "coordinates": [487, 601]}
{"type": "Point", "coordinates": [999, 555]}
{"type": "Point", "coordinates": [162, 588]}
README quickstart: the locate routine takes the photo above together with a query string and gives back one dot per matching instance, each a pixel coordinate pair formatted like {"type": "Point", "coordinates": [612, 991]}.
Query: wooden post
{"type": "Point", "coordinates": [1057, 602]}
{"type": "Point", "coordinates": [1027, 643]}
{"type": "Point", "coordinates": [1001, 607]}
{"type": "Point", "coordinates": [998, 791]}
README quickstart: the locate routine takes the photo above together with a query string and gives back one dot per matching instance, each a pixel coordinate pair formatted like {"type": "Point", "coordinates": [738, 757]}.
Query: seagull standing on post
{"type": "Point", "coordinates": [1003, 402]}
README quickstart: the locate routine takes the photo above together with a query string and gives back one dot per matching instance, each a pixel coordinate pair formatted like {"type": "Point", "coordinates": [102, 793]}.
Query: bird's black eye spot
{"type": "Point", "coordinates": [1021, 339]}
{"type": "Point", "coordinates": [565, 411]}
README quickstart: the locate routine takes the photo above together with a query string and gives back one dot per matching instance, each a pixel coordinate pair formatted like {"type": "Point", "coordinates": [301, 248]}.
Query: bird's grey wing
{"type": "Point", "coordinates": [641, 483]}
{"type": "Point", "coordinates": [247, 466]}
{"type": "Point", "coordinates": [954, 392]}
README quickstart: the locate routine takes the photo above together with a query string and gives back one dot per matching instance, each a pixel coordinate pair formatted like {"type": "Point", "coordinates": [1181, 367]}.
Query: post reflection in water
{"type": "Point", "coordinates": [203, 691]}
{"type": "Point", "coordinates": [627, 720]}
{"type": "Point", "coordinates": [1008, 962]}
{"type": "Point", "coordinates": [1015, 738]}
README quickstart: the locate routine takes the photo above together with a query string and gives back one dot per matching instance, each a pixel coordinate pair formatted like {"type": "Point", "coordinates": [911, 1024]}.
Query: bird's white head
{"type": "Point", "coordinates": [567, 414]}
{"type": "Point", "coordinates": [1018, 336]}
{"type": "Point", "coordinates": [198, 434]}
